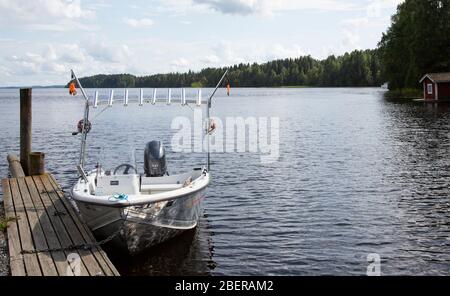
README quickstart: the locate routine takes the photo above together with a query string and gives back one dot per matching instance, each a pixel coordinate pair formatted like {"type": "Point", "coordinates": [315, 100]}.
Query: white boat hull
{"type": "Point", "coordinates": [136, 227]}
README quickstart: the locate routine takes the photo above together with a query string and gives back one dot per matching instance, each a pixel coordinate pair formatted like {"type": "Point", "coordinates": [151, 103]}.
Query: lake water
{"type": "Point", "coordinates": [357, 174]}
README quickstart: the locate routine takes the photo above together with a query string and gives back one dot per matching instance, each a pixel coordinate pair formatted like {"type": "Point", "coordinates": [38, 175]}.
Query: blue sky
{"type": "Point", "coordinates": [41, 40]}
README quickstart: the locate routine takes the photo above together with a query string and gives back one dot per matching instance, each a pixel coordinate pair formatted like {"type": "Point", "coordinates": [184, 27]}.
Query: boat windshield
{"type": "Point", "coordinates": [120, 163]}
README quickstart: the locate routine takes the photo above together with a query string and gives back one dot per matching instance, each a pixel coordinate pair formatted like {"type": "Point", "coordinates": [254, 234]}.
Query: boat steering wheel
{"type": "Point", "coordinates": [126, 170]}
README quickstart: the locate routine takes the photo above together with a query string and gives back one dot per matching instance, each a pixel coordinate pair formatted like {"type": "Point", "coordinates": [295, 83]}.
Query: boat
{"type": "Point", "coordinates": [136, 211]}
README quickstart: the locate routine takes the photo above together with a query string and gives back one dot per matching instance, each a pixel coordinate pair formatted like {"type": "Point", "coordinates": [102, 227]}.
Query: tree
{"type": "Point", "coordinates": [417, 42]}
{"type": "Point", "coordinates": [358, 68]}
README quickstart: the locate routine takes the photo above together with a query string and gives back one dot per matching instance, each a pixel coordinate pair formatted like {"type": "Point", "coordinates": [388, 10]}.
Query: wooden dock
{"type": "Point", "coordinates": [45, 235]}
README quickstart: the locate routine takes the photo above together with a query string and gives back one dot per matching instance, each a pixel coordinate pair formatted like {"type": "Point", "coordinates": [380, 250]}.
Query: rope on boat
{"type": "Point", "coordinates": [100, 113]}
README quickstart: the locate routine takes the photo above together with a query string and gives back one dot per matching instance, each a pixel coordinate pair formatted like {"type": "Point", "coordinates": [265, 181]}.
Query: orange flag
{"type": "Point", "coordinates": [72, 89]}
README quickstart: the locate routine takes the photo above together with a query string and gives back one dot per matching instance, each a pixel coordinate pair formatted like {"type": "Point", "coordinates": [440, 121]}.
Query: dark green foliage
{"type": "Point", "coordinates": [418, 42]}
{"type": "Point", "coordinates": [359, 68]}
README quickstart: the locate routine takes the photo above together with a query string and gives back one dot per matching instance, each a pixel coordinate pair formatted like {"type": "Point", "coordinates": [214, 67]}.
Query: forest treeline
{"type": "Point", "coordinates": [416, 43]}
{"type": "Point", "coordinates": [359, 68]}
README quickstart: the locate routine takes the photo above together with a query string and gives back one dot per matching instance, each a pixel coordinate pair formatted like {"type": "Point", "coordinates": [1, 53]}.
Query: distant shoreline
{"type": "Point", "coordinates": [240, 87]}
{"type": "Point", "coordinates": [34, 86]}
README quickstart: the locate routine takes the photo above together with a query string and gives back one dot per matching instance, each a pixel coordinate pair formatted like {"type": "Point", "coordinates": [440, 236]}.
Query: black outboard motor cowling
{"type": "Point", "coordinates": [155, 159]}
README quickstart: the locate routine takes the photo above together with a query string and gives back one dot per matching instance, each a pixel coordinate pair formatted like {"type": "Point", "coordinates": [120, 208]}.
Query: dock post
{"type": "Point", "coordinates": [37, 163]}
{"type": "Point", "coordinates": [25, 128]}
{"type": "Point", "coordinates": [15, 167]}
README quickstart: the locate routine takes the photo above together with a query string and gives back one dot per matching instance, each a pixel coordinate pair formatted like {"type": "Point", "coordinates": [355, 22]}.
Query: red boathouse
{"type": "Point", "coordinates": [436, 87]}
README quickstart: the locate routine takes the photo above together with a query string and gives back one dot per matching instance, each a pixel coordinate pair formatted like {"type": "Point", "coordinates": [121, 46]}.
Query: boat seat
{"type": "Point", "coordinates": [160, 187]}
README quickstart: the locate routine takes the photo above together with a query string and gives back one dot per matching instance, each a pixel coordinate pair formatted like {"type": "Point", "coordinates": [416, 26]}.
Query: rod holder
{"type": "Point", "coordinates": [125, 98]}
{"type": "Point", "coordinates": [169, 96]}
{"type": "Point", "coordinates": [96, 99]}
{"type": "Point", "coordinates": [141, 97]}
{"type": "Point", "coordinates": [154, 97]}
{"type": "Point", "coordinates": [183, 97]}
{"type": "Point", "coordinates": [199, 98]}
{"type": "Point", "coordinates": [111, 98]}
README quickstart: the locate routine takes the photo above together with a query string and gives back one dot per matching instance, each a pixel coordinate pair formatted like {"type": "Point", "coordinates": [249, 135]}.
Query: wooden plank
{"type": "Point", "coordinates": [32, 266]}
{"type": "Point", "coordinates": [99, 254]}
{"type": "Point", "coordinates": [88, 258]}
{"type": "Point", "coordinates": [58, 226]}
{"type": "Point", "coordinates": [47, 220]}
{"type": "Point", "coordinates": [59, 257]}
{"type": "Point", "coordinates": [93, 266]}
{"type": "Point", "coordinates": [15, 256]}
{"type": "Point", "coordinates": [45, 259]}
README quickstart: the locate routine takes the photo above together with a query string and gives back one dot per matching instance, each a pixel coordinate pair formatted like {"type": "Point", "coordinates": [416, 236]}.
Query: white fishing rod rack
{"type": "Point", "coordinates": [181, 99]}
{"type": "Point", "coordinates": [168, 98]}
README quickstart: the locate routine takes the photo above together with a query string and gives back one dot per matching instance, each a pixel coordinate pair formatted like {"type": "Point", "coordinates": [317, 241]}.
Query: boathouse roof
{"type": "Point", "coordinates": [437, 77]}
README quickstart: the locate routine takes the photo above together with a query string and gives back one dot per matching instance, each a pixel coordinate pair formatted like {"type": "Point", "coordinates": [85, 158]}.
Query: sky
{"type": "Point", "coordinates": [41, 40]}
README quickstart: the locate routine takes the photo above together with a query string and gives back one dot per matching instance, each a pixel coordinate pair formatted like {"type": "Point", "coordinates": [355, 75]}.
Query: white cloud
{"type": "Point", "coordinates": [226, 53]}
{"type": "Point", "coordinates": [5, 71]}
{"type": "Point", "coordinates": [268, 7]}
{"type": "Point", "coordinates": [210, 59]}
{"type": "Point", "coordinates": [32, 63]}
{"type": "Point", "coordinates": [279, 51]}
{"type": "Point", "coordinates": [98, 48]}
{"type": "Point", "coordinates": [45, 15]}
{"type": "Point", "coordinates": [138, 23]}
{"type": "Point", "coordinates": [53, 61]}
{"type": "Point", "coordinates": [178, 7]}
{"type": "Point", "coordinates": [351, 32]}
{"type": "Point", "coordinates": [72, 53]}
{"type": "Point", "coordinates": [355, 22]}
{"type": "Point", "coordinates": [235, 6]}
{"type": "Point", "coordinates": [38, 9]}
{"type": "Point", "coordinates": [99, 5]}
{"type": "Point", "coordinates": [249, 7]}
{"type": "Point", "coordinates": [373, 17]}
{"type": "Point", "coordinates": [179, 64]}
{"type": "Point", "coordinates": [351, 39]}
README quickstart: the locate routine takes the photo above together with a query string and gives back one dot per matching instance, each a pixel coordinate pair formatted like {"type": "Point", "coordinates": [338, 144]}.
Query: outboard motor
{"type": "Point", "coordinates": [155, 159]}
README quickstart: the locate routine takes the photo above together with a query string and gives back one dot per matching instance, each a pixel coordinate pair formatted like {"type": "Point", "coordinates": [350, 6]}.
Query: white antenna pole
{"type": "Point", "coordinates": [141, 97]}
{"type": "Point", "coordinates": [154, 97]}
{"type": "Point", "coordinates": [169, 96]}
{"type": "Point", "coordinates": [111, 98]}
{"type": "Point", "coordinates": [125, 103]}
{"type": "Point", "coordinates": [96, 99]}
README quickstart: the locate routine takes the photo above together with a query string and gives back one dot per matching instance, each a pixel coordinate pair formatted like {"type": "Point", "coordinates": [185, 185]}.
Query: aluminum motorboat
{"type": "Point", "coordinates": [137, 211]}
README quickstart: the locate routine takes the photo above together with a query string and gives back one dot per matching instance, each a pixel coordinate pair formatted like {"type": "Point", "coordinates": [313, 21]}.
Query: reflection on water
{"type": "Point", "coordinates": [358, 174]}
{"type": "Point", "coordinates": [188, 254]}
